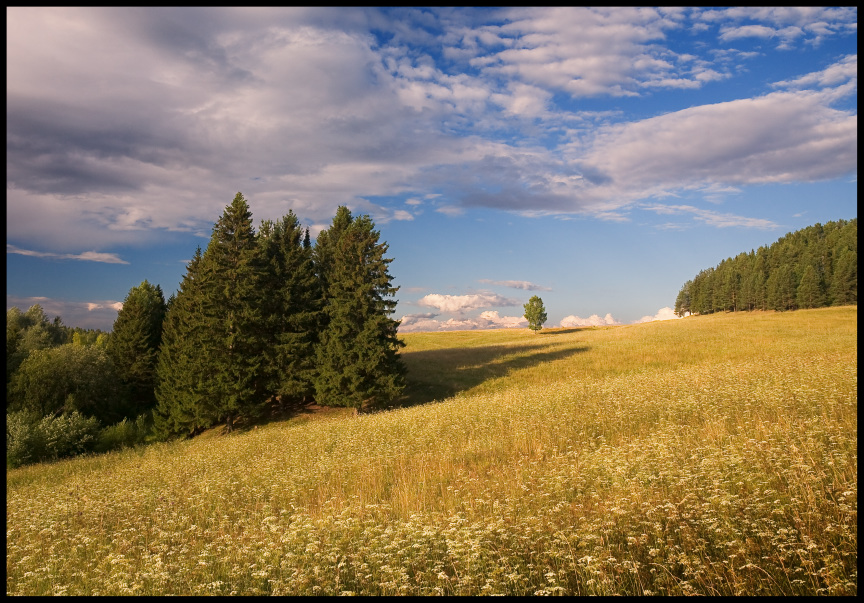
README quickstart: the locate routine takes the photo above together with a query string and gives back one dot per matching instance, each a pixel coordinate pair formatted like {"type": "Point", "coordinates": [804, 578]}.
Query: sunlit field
{"type": "Point", "coordinates": [711, 455]}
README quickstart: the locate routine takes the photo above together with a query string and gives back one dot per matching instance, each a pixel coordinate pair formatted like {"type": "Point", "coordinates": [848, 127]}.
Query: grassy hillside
{"type": "Point", "coordinates": [712, 455]}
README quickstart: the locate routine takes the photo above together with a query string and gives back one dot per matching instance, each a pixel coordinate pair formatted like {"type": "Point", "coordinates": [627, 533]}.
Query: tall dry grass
{"type": "Point", "coordinates": [710, 455]}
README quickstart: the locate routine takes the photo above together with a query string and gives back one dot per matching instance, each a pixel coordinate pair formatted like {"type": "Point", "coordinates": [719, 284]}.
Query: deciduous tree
{"type": "Point", "coordinates": [535, 313]}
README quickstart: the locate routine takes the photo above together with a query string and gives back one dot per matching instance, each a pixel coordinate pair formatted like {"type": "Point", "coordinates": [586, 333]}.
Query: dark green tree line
{"type": "Point", "coordinates": [813, 267]}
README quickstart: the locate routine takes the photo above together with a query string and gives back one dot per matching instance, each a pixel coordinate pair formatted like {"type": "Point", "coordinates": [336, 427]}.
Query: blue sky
{"type": "Point", "coordinates": [596, 157]}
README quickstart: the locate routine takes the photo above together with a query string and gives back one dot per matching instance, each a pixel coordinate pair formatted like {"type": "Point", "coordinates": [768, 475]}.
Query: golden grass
{"type": "Point", "coordinates": [709, 455]}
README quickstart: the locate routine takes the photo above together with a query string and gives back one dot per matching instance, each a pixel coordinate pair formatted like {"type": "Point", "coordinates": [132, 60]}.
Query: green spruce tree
{"type": "Point", "coordinates": [290, 309]}
{"type": "Point", "coordinates": [134, 344]}
{"type": "Point", "coordinates": [235, 378]}
{"type": "Point", "coordinates": [183, 406]}
{"type": "Point", "coordinates": [357, 355]}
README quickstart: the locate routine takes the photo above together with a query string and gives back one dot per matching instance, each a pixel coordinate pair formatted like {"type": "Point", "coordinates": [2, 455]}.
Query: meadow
{"type": "Point", "coordinates": [711, 455]}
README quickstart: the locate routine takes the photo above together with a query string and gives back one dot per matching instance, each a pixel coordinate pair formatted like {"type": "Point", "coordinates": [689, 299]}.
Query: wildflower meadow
{"type": "Point", "coordinates": [712, 455]}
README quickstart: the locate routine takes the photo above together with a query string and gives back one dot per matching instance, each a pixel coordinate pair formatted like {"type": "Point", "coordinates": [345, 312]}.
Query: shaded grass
{"type": "Point", "coordinates": [710, 455]}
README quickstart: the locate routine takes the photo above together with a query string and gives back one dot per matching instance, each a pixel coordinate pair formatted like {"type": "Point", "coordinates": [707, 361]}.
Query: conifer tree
{"type": "Point", "coordinates": [809, 292]}
{"type": "Point", "coordinates": [290, 309]}
{"type": "Point", "coordinates": [133, 346]}
{"type": "Point", "coordinates": [182, 404]}
{"type": "Point", "coordinates": [357, 355]}
{"type": "Point", "coordinates": [844, 281]}
{"type": "Point", "coordinates": [232, 306]}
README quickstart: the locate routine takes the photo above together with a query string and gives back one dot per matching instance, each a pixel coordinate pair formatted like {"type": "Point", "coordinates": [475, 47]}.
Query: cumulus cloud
{"type": "Point", "coordinates": [666, 313]}
{"type": "Point", "coordinates": [490, 319]}
{"type": "Point", "coordinates": [592, 321]}
{"type": "Point", "coordinates": [463, 303]}
{"type": "Point", "coordinates": [843, 71]}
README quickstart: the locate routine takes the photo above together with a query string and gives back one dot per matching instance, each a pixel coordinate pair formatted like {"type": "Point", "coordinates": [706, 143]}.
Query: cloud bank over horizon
{"type": "Point", "coordinates": [491, 320]}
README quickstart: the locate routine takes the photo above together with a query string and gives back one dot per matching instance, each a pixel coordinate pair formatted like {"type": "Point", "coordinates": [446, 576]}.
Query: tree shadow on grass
{"type": "Point", "coordinates": [438, 374]}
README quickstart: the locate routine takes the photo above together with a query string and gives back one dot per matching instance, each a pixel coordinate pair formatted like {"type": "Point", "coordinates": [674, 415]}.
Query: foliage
{"type": "Point", "coordinates": [810, 268]}
{"type": "Point", "coordinates": [67, 378]}
{"type": "Point", "coordinates": [134, 344]}
{"type": "Point", "coordinates": [231, 306]}
{"type": "Point", "coordinates": [291, 309]}
{"type": "Point", "coordinates": [535, 313]}
{"type": "Point", "coordinates": [124, 434]}
{"type": "Point", "coordinates": [358, 362]}
{"type": "Point", "coordinates": [182, 404]}
{"type": "Point", "coordinates": [32, 440]}
{"type": "Point", "coordinates": [28, 331]}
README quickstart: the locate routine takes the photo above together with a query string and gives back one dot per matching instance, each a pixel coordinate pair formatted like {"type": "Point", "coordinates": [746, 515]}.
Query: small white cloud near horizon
{"type": "Point", "coordinates": [490, 319]}
{"type": "Point", "coordinates": [666, 313]}
{"type": "Point", "coordinates": [592, 321]}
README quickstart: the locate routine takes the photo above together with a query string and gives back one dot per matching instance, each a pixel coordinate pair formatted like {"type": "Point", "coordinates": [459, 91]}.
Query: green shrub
{"type": "Point", "coordinates": [33, 440]}
{"type": "Point", "coordinates": [124, 434]}
{"type": "Point", "coordinates": [25, 442]}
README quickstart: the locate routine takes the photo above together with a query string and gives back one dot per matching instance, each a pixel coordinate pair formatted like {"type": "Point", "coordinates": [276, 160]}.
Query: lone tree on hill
{"type": "Point", "coordinates": [535, 313]}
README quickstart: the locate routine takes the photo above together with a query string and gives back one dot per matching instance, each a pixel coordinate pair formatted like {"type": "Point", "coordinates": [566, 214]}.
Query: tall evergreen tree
{"type": "Point", "coordinates": [844, 281]}
{"type": "Point", "coordinates": [133, 346]}
{"type": "Point", "coordinates": [781, 288]}
{"type": "Point", "coordinates": [290, 309]}
{"type": "Point", "coordinates": [682, 302]}
{"type": "Point", "coordinates": [183, 406]}
{"type": "Point", "coordinates": [232, 305]}
{"type": "Point", "coordinates": [810, 288]}
{"type": "Point", "coordinates": [357, 355]}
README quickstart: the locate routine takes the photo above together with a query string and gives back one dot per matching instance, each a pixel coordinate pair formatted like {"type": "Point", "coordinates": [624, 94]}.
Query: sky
{"type": "Point", "coordinates": [596, 157]}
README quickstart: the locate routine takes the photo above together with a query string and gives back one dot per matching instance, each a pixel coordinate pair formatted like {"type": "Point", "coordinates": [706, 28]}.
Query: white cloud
{"type": "Point", "coordinates": [86, 256]}
{"type": "Point", "coordinates": [841, 72]}
{"type": "Point", "coordinates": [745, 141]}
{"type": "Point", "coordinates": [581, 51]}
{"type": "Point", "coordinates": [401, 214]}
{"type": "Point", "coordinates": [713, 218]}
{"type": "Point", "coordinates": [592, 321]}
{"type": "Point", "coordinates": [666, 313]}
{"type": "Point", "coordinates": [133, 122]}
{"type": "Point", "coordinates": [490, 319]}
{"type": "Point", "coordinates": [745, 31]}
{"type": "Point", "coordinates": [463, 303]}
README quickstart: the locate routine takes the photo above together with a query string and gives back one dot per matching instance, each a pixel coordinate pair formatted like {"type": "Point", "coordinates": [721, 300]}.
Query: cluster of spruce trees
{"type": "Point", "coordinates": [810, 268]}
{"type": "Point", "coordinates": [265, 315]}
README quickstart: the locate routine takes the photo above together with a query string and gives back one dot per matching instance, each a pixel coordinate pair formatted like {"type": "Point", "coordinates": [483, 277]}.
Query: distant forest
{"type": "Point", "coordinates": [810, 268]}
